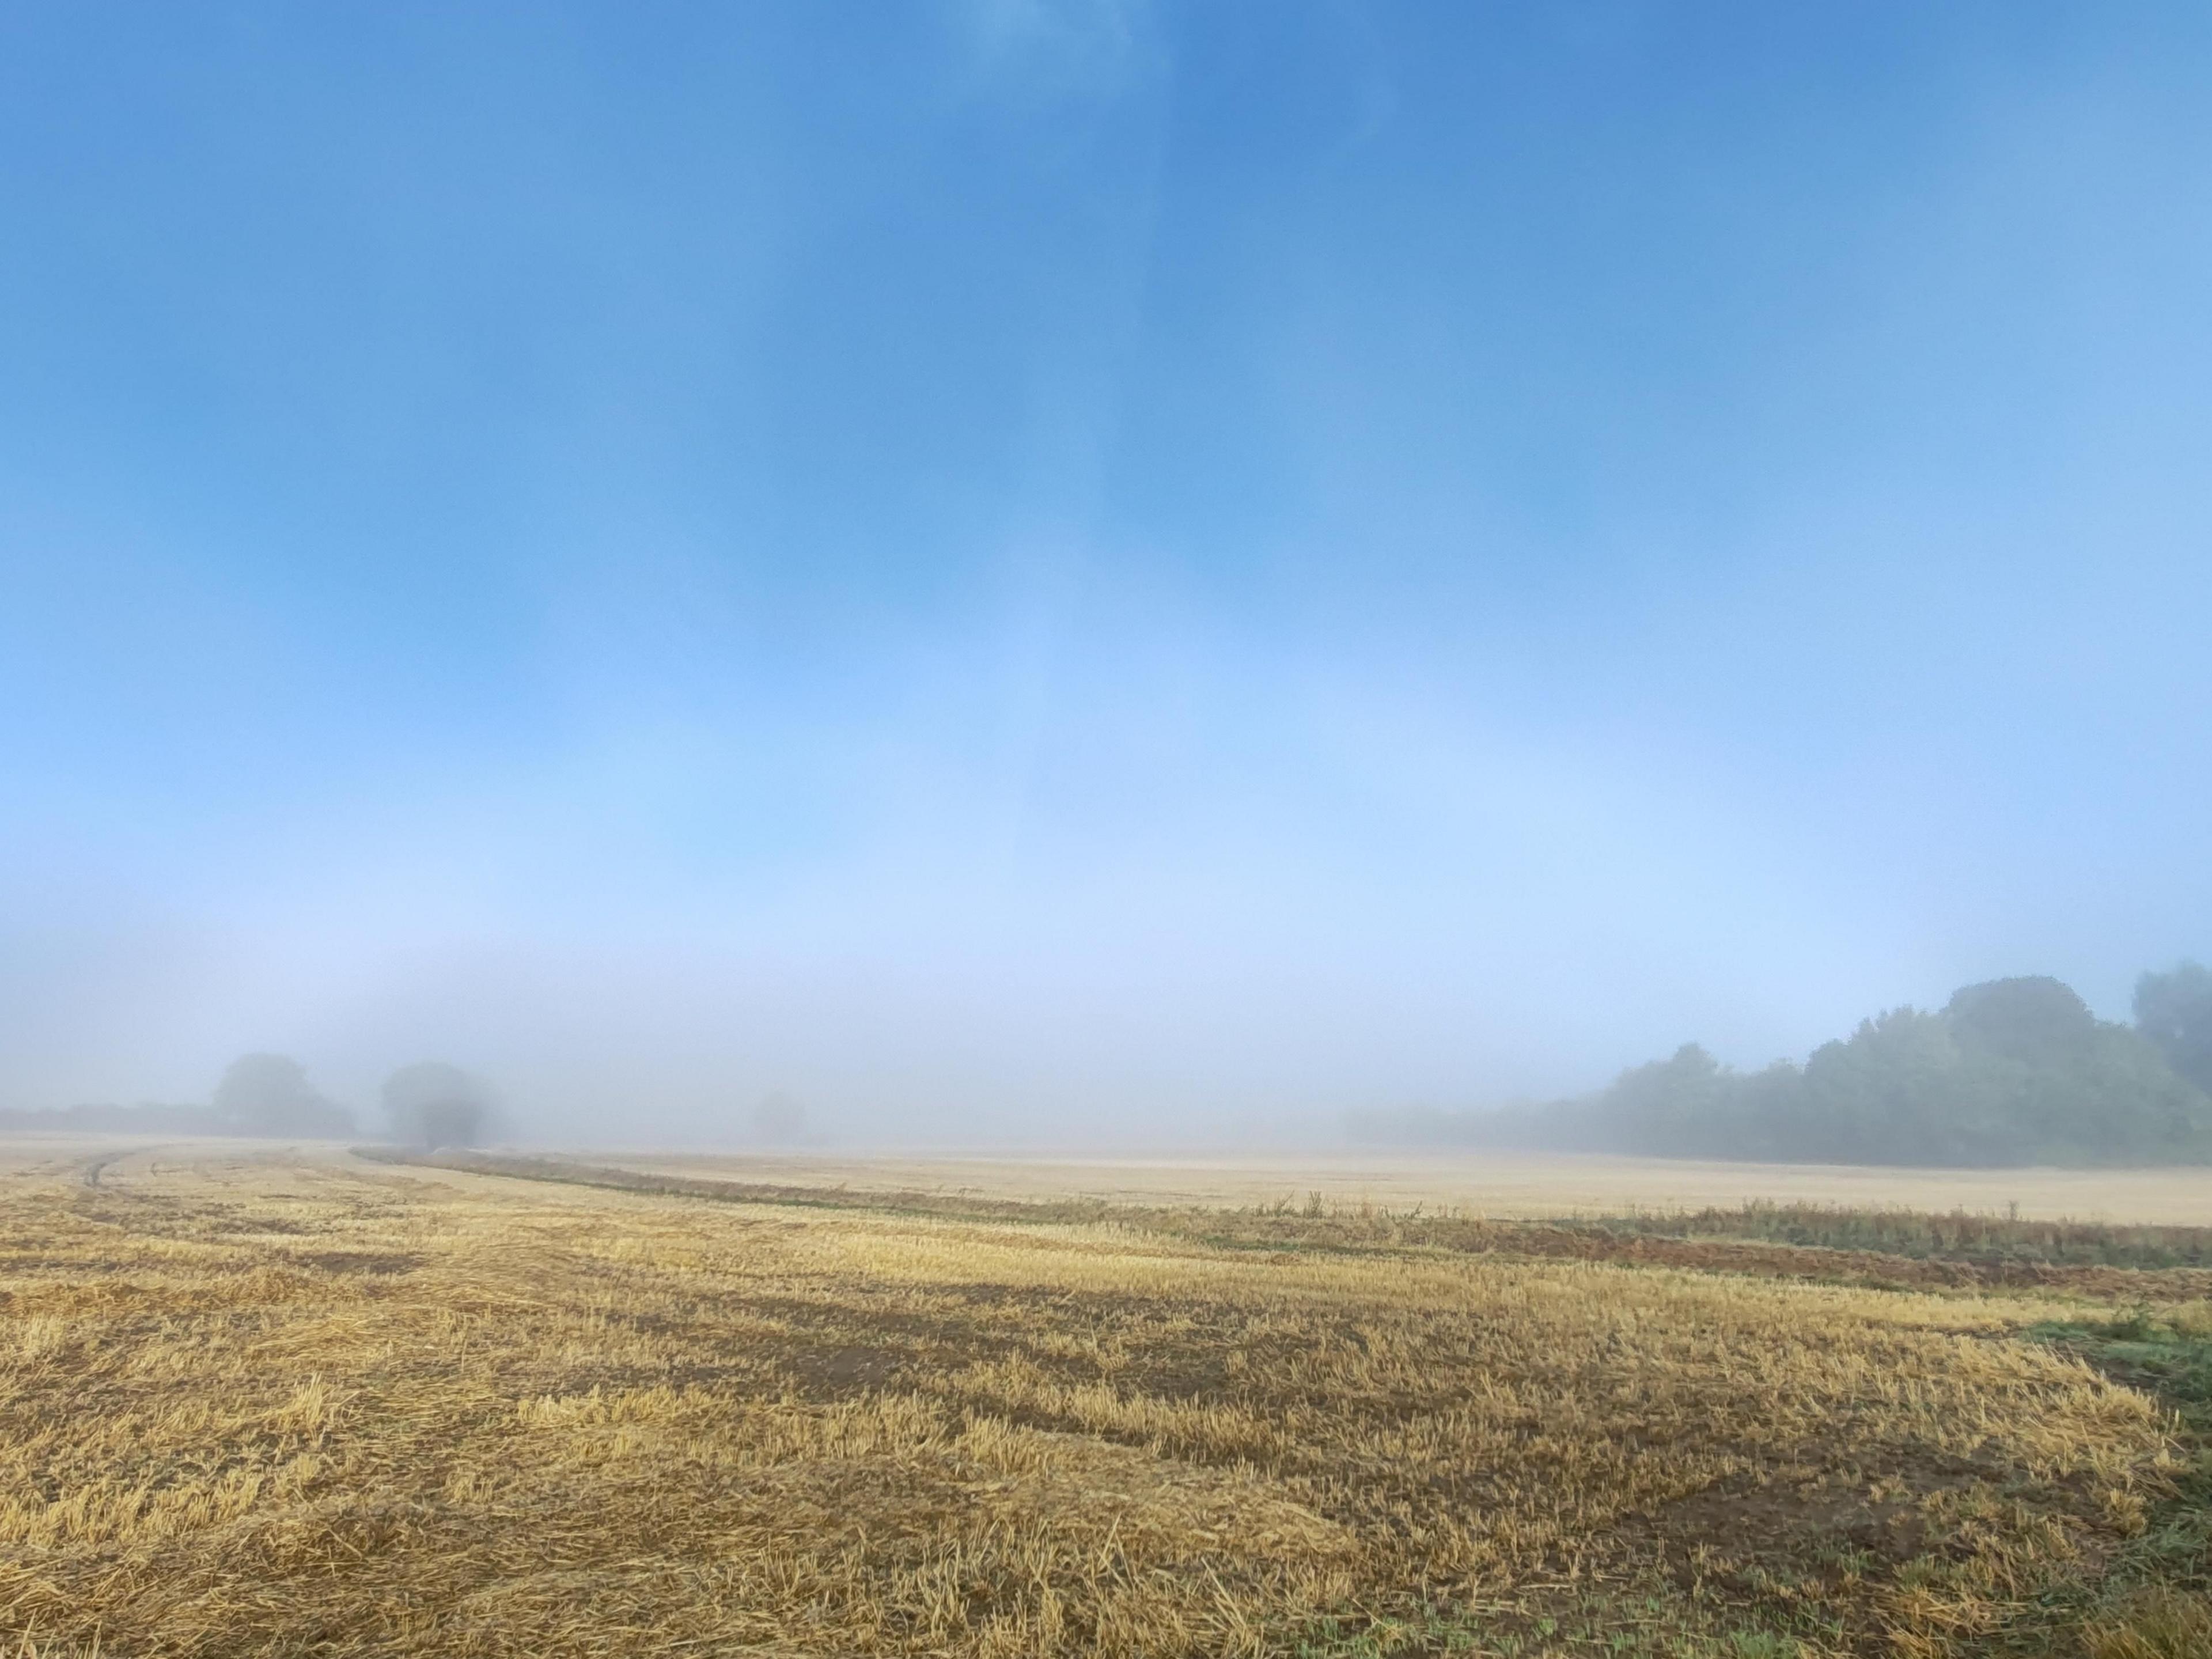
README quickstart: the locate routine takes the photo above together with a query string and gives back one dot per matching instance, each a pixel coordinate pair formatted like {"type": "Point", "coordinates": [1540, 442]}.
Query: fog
{"type": "Point", "coordinates": [1086, 576]}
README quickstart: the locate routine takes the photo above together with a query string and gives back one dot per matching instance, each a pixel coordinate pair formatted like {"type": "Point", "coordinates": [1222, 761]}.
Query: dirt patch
{"type": "Point", "coordinates": [851, 1367]}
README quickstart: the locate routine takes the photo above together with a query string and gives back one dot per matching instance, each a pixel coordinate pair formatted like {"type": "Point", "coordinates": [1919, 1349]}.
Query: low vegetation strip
{"type": "Point", "coordinates": [1959, 1236]}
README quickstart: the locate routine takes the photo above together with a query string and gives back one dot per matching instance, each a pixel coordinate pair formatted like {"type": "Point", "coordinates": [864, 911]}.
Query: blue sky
{"type": "Point", "coordinates": [1087, 569]}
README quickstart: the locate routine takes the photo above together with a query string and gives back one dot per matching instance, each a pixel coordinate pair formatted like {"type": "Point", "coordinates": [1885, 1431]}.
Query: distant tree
{"type": "Point", "coordinates": [2011, 1071]}
{"type": "Point", "coordinates": [2174, 1011]}
{"type": "Point", "coordinates": [1666, 1104]}
{"type": "Point", "coordinates": [432, 1104]}
{"type": "Point", "coordinates": [269, 1095]}
{"type": "Point", "coordinates": [779, 1121]}
{"type": "Point", "coordinates": [2036, 1020]}
{"type": "Point", "coordinates": [1688, 1105]}
{"type": "Point", "coordinates": [1899, 1090]}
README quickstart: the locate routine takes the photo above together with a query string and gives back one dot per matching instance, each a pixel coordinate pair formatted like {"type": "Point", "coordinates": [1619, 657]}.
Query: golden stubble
{"type": "Point", "coordinates": [315, 1406]}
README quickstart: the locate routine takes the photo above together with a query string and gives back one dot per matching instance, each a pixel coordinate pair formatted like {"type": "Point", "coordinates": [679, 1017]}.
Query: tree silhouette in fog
{"type": "Point", "coordinates": [2008, 1071]}
{"type": "Point", "coordinates": [779, 1121]}
{"type": "Point", "coordinates": [269, 1095]}
{"type": "Point", "coordinates": [432, 1104]}
{"type": "Point", "coordinates": [2174, 1011]}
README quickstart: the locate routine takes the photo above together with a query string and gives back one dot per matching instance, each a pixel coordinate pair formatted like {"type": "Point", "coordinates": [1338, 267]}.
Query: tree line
{"type": "Point", "coordinates": [2009, 1071]}
{"type": "Point", "coordinates": [429, 1104]}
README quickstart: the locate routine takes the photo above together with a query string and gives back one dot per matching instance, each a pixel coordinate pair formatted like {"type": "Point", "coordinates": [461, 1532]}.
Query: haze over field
{"type": "Point", "coordinates": [1087, 572]}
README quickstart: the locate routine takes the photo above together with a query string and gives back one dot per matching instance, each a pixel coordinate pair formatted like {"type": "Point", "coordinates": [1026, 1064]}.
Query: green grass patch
{"type": "Point", "coordinates": [1959, 1236]}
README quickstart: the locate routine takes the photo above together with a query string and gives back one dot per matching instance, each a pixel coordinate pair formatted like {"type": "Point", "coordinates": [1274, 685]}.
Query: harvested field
{"type": "Point", "coordinates": [1501, 1184]}
{"type": "Point", "coordinates": [306, 1403]}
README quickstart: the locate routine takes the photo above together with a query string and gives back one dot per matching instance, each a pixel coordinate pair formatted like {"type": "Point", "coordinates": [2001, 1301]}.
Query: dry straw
{"type": "Point", "coordinates": [332, 1408]}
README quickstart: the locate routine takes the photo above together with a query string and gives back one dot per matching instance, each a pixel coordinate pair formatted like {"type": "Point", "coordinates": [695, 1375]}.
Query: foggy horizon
{"type": "Point", "coordinates": [1090, 575]}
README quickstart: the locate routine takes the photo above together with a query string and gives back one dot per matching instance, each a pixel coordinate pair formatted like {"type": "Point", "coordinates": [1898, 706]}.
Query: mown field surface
{"type": "Point", "coordinates": [306, 1403]}
{"type": "Point", "coordinates": [1495, 1183]}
